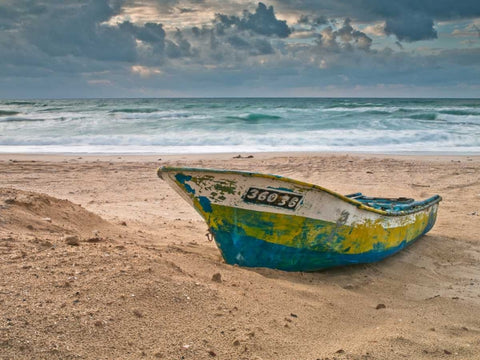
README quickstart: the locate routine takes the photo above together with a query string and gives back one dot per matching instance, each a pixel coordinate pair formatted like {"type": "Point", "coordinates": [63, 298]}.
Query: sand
{"type": "Point", "coordinates": [100, 259]}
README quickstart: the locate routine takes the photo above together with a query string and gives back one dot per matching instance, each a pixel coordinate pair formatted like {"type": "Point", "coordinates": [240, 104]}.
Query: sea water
{"type": "Point", "coordinates": [179, 126]}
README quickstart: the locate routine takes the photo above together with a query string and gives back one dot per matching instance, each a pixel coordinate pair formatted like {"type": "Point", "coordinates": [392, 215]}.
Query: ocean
{"type": "Point", "coordinates": [240, 125]}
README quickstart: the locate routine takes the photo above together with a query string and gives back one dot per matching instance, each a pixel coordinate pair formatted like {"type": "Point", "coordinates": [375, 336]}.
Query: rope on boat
{"type": "Point", "coordinates": [209, 235]}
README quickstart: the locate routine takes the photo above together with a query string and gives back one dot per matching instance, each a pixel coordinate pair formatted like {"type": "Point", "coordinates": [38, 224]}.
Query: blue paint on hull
{"type": "Point", "coordinates": [245, 250]}
{"type": "Point", "coordinates": [252, 252]}
{"type": "Point", "coordinates": [205, 204]}
{"type": "Point", "coordinates": [182, 179]}
{"type": "Point", "coordinates": [431, 221]}
{"type": "Point", "coordinates": [318, 249]}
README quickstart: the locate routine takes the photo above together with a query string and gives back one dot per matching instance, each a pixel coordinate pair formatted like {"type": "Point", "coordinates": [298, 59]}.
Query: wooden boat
{"type": "Point", "coordinates": [260, 220]}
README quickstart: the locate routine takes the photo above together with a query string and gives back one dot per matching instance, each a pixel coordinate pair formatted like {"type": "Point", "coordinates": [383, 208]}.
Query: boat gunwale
{"type": "Point", "coordinates": [427, 203]}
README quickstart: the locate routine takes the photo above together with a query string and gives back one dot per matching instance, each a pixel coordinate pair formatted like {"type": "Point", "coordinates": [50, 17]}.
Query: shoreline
{"type": "Point", "coordinates": [229, 155]}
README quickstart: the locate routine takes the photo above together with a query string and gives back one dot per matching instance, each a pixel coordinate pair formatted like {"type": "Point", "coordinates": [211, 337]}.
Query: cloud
{"type": "Point", "coordinates": [81, 29]}
{"type": "Point", "coordinates": [313, 21]}
{"type": "Point", "coordinates": [13, 12]}
{"type": "Point", "coordinates": [345, 37]}
{"type": "Point", "coordinates": [471, 30]}
{"type": "Point", "coordinates": [93, 44]}
{"type": "Point", "coordinates": [186, 10]}
{"type": "Point", "coordinates": [377, 29]}
{"type": "Point", "coordinates": [406, 19]}
{"type": "Point", "coordinates": [76, 29]}
{"type": "Point", "coordinates": [254, 46]}
{"type": "Point", "coordinates": [151, 33]}
{"type": "Point", "coordinates": [145, 71]}
{"type": "Point", "coordinates": [178, 47]}
{"type": "Point", "coordinates": [263, 22]}
{"type": "Point", "coordinates": [230, 39]}
{"type": "Point", "coordinates": [411, 27]}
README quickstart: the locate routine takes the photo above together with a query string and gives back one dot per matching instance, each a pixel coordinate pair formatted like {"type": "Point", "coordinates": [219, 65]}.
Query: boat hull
{"type": "Point", "coordinates": [274, 241]}
{"type": "Point", "coordinates": [320, 229]}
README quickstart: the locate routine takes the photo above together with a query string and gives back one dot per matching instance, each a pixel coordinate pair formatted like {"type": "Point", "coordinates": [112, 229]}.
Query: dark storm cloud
{"type": "Point", "coordinates": [252, 46]}
{"type": "Point", "coordinates": [262, 47]}
{"type": "Point", "coordinates": [408, 20]}
{"type": "Point", "coordinates": [151, 32]}
{"type": "Point", "coordinates": [186, 10]}
{"type": "Point", "coordinates": [61, 45]}
{"type": "Point", "coordinates": [263, 22]}
{"type": "Point", "coordinates": [238, 42]}
{"type": "Point", "coordinates": [370, 10]}
{"type": "Point", "coordinates": [353, 37]}
{"type": "Point", "coordinates": [74, 28]}
{"type": "Point", "coordinates": [312, 20]}
{"type": "Point", "coordinates": [12, 12]}
{"type": "Point", "coordinates": [410, 28]}
{"type": "Point", "coordinates": [231, 40]}
{"type": "Point", "coordinates": [179, 48]}
{"type": "Point", "coordinates": [78, 29]}
{"type": "Point", "coordinates": [344, 38]}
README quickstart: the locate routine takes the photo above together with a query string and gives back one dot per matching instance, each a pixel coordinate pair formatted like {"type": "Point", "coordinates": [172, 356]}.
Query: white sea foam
{"type": "Point", "coordinates": [240, 125]}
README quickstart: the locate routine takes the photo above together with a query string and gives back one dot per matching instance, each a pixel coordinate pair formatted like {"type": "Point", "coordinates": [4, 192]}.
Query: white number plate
{"type": "Point", "coordinates": [275, 198]}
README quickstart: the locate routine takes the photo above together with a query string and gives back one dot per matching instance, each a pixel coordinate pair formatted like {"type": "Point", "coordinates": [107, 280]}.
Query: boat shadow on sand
{"type": "Point", "coordinates": [434, 266]}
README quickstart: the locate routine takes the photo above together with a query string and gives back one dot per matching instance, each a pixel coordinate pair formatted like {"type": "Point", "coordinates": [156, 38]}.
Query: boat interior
{"type": "Point", "coordinates": [392, 204]}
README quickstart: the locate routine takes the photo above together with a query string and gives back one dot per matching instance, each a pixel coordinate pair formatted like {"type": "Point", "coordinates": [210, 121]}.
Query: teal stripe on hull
{"type": "Point", "coordinates": [251, 252]}
{"type": "Point", "coordinates": [240, 248]}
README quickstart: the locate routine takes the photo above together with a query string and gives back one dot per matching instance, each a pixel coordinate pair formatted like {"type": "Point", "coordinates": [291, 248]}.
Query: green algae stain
{"type": "Point", "coordinates": [228, 187]}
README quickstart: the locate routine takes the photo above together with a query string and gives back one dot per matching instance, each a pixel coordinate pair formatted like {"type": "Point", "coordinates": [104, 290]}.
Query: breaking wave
{"type": "Point", "coordinates": [254, 117]}
{"type": "Point", "coordinates": [8, 113]}
{"type": "Point", "coordinates": [232, 125]}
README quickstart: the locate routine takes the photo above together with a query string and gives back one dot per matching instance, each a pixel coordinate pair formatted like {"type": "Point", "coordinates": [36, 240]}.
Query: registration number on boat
{"type": "Point", "coordinates": [272, 198]}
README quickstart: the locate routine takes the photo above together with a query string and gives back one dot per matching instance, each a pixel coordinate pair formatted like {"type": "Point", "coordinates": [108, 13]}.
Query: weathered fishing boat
{"type": "Point", "coordinates": [260, 220]}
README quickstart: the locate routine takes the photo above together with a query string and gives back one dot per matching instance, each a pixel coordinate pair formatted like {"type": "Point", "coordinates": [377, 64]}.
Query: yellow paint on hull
{"type": "Point", "coordinates": [300, 232]}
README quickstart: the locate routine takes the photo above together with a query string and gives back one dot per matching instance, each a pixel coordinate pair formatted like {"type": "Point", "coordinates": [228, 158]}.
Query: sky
{"type": "Point", "coordinates": [230, 48]}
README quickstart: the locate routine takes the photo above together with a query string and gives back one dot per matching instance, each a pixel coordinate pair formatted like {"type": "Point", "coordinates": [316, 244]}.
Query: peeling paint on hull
{"type": "Point", "coordinates": [269, 221]}
{"type": "Point", "coordinates": [244, 238]}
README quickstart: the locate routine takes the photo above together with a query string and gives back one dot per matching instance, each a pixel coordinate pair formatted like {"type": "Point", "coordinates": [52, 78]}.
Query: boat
{"type": "Point", "coordinates": [260, 220]}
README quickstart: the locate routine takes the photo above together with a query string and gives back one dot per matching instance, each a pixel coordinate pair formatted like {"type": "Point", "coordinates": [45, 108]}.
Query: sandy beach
{"type": "Point", "coordinates": [100, 259]}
